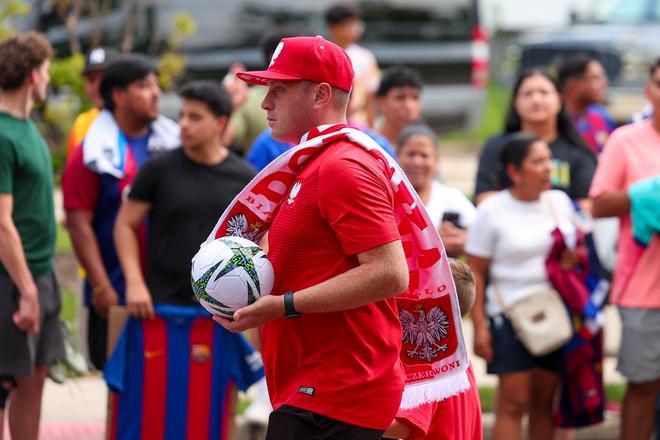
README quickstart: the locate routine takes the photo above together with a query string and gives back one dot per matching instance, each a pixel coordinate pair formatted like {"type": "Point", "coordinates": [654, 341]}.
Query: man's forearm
{"type": "Point", "coordinates": [478, 312]}
{"type": "Point", "coordinates": [87, 251]}
{"type": "Point", "coordinates": [13, 259]}
{"type": "Point", "coordinates": [479, 270]}
{"type": "Point", "coordinates": [611, 204]}
{"type": "Point", "coordinates": [128, 251]}
{"type": "Point", "coordinates": [364, 284]}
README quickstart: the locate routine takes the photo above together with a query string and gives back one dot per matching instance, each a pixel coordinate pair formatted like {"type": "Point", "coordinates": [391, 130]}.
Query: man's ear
{"type": "Point", "coordinates": [569, 86]}
{"type": "Point", "coordinates": [324, 95]}
{"type": "Point", "coordinates": [222, 123]}
{"type": "Point", "coordinates": [118, 95]}
{"type": "Point", "coordinates": [380, 103]}
{"type": "Point", "coordinates": [32, 77]}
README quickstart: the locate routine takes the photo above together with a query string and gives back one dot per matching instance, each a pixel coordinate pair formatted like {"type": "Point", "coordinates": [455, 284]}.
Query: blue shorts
{"type": "Point", "coordinates": [511, 356]}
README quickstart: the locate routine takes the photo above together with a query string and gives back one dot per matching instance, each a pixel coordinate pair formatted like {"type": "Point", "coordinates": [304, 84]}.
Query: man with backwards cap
{"type": "Point", "coordinates": [330, 331]}
{"type": "Point", "coordinates": [95, 63]}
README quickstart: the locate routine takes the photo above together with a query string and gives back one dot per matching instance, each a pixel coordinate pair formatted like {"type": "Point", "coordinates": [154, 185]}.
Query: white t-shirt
{"type": "Point", "coordinates": [443, 199]}
{"type": "Point", "coordinates": [515, 236]}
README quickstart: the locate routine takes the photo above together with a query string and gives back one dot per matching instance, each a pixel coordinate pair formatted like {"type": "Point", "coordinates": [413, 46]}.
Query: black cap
{"type": "Point", "coordinates": [99, 58]}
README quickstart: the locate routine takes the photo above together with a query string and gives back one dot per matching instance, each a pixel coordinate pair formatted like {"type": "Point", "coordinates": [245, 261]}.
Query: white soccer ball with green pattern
{"type": "Point", "coordinates": [230, 273]}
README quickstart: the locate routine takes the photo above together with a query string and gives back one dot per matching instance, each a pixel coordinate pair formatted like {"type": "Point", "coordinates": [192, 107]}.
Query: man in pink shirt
{"type": "Point", "coordinates": [632, 154]}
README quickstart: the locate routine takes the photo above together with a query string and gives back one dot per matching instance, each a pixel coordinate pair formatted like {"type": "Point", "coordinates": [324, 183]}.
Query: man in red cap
{"type": "Point", "coordinates": [330, 332]}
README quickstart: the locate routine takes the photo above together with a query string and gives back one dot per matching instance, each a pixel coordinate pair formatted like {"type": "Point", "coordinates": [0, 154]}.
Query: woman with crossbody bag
{"type": "Point", "coordinates": [508, 245]}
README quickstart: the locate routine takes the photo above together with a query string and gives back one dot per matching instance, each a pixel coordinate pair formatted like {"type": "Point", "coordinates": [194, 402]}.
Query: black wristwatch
{"type": "Point", "coordinates": [289, 309]}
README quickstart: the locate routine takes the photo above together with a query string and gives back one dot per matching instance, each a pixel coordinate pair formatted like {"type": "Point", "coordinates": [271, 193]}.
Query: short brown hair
{"type": "Point", "coordinates": [20, 55]}
{"type": "Point", "coordinates": [464, 281]}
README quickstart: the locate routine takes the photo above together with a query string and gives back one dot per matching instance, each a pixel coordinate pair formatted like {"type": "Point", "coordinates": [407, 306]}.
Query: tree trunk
{"type": "Point", "coordinates": [72, 21]}
{"type": "Point", "coordinates": [129, 29]}
{"type": "Point", "coordinates": [97, 24]}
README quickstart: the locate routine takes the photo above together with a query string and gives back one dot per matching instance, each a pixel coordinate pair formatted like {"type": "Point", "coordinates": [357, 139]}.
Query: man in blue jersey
{"type": "Point", "coordinates": [583, 85]}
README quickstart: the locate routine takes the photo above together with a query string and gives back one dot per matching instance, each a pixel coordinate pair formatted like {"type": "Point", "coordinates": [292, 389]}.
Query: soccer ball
{"type": "Point", "coordinates": [230, 273]}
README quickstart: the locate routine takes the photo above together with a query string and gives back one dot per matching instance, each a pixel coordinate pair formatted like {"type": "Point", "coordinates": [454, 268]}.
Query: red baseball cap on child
{"type": "Point", "coordinates": [306, 58]}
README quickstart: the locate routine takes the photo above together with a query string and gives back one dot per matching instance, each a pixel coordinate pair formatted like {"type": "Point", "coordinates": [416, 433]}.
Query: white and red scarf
{"type": "Point", "coordinates": [104, 146]}
{"type": "Point", "coordinates": [433, 352]}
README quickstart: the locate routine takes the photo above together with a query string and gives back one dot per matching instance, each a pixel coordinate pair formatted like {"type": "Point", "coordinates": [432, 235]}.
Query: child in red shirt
{"type": "Point", "coordinates": [456, 418]}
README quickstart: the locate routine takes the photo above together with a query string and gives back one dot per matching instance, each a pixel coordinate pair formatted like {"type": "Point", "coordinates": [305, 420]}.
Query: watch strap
{"type": "Point", "coordinates": [289, 309]}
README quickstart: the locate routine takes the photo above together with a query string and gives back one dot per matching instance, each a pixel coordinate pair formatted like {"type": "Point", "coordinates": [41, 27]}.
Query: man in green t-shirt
{"type": "Point", "coordinates": [29, 296]}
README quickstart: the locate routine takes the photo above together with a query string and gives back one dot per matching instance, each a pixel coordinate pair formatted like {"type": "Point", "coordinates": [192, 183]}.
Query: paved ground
{"type": "Point", "coordinates": [76, 410]}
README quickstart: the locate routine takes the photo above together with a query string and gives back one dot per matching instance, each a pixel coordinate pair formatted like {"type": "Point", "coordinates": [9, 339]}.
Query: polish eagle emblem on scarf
{"type": "Point", "coordinates": [425, 332]}
{"type": "Point", "coordinates": [239, 226]}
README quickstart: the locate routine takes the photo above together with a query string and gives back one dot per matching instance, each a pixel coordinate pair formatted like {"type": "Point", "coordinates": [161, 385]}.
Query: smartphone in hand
{"type": "Point", "coordinates": [451, 217]}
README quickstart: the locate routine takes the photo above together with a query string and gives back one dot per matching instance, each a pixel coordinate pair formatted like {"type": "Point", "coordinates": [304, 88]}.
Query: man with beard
{"type": "Point", "coordinates": [125, 135]}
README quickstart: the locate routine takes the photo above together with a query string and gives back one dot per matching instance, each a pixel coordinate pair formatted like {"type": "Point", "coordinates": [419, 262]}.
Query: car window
{"type": "Point", "coordinates": [628, 11]}
{"type": "Point", "coordinates": [242, 22]}
{"type": "Point", "coordinates": [418, 20]}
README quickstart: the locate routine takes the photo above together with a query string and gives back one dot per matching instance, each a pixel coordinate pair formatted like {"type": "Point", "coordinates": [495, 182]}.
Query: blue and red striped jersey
{"type": "Point", "coordinates": [171, 376]}
{"type": "Point", "coordinates": [595, 126]}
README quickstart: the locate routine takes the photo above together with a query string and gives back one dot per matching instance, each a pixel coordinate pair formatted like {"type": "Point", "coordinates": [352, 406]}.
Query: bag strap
{"type": "Point", "coordinates": [551, 207]}
{"type": "Point", "coordinates": [498, 293]}
{"type": "Point", "coordinates": [499, 299]}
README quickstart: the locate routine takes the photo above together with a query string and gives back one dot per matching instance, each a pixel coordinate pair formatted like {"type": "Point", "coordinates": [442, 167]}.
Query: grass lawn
{"type": "Point", "coordinates": [492, 119]}
{"type": "Point", "coordinates": [614, 393]}
{"type": "Point", "coordinates": [62, 240]}
{"type": "Point", "coordinates": [69, 306]}
{"type": "Point", "coordinates": [69, 300]}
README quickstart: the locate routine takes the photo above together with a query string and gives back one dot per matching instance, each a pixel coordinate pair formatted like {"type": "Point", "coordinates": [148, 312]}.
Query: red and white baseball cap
{"type": "Point", "coordinates": [306, 58]}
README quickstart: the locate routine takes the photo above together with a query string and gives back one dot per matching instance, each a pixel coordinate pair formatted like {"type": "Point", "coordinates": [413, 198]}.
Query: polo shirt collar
{"type": "Point", "coordinates": [321, 129]}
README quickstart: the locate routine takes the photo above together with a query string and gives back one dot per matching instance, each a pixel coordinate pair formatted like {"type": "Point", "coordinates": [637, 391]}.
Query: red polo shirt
{"type": "Point", "coordinates": [343, 365]}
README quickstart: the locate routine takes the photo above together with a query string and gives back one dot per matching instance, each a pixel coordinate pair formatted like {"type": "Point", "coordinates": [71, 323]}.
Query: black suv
{"type": "Point", "coordinates": [442, 39]}
{"type": "Point", "coordinates": [623, 35]}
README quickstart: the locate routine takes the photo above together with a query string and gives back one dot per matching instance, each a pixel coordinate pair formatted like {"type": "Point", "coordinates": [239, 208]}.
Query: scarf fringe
{"type": "Point", "coordinates": [435, 390]}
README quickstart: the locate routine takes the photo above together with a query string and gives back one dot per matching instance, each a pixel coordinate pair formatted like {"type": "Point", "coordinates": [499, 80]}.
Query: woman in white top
{"type": "Point", "coordinates": [508, 243]}
{"type": "Point", "coordinates": [451, 212]}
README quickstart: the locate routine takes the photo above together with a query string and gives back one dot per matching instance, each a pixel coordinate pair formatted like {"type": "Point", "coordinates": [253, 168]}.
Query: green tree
{"type": "Point", "coordinates": [172, 64]}
{"type": "Point", "coordinates": [9, 10]}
